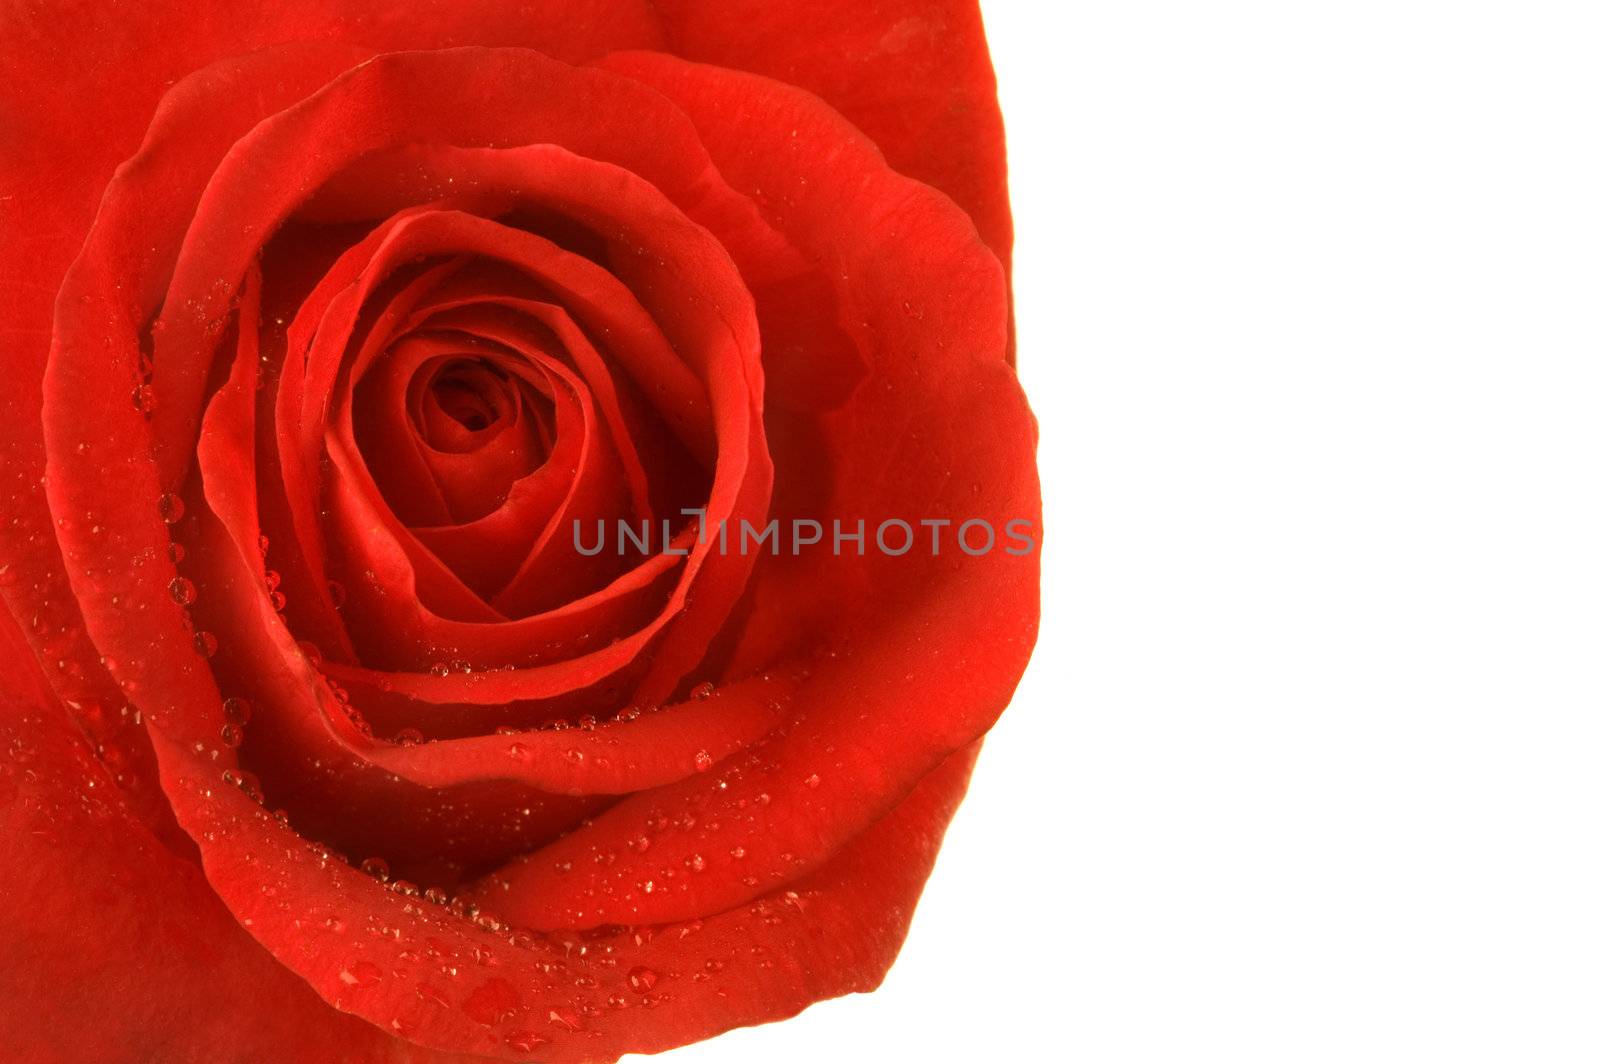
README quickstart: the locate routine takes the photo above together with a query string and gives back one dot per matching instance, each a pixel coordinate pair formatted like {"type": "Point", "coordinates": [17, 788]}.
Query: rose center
{"type": "Point", "coordinates": [465, 404]}
{"type": "Point", "coordinates": [470, 392]}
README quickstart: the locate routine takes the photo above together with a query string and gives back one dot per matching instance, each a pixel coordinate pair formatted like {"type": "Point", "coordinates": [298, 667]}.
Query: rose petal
{"type": "Point", "coordinates": [914, 75]}
{"type": "Point", "coordinates": [433, 977]}
{"type": "Point", "coordinates": [128, 952]}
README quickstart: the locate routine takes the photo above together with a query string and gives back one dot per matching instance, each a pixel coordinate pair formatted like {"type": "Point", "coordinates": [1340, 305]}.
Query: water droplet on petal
{"type": "Point", "coordinates": [642, 980]}
{"type": "Point", "coordinates": [813, 781]}
{"type": "Point", "coordinates": [357, 720]}
{"type": "Point", "coordinates": [566, 1018]}
{"type": "Point", "coordinates": [361, 974]}
{"type": "Point", "coordinates": [232, 736]}
{"type": "Point", "coordinates": [702, 761]}
{"type": "Point", "coordinates": [182, 590]}
{"type": "Point", "coordinates": [703, 692]}
{"type": "Point", "coordinates": [408, 737]}
{"type": "Point", "coordinates": [237, 710]}
{"type": "Point", "coordinates": [170, 507]}
{"type": "Point", "coordinates": [252, 789]}
{"type": "Point", "coordinates": [377, 868]}
{"type": "Point", "coordinates": [205, 644]}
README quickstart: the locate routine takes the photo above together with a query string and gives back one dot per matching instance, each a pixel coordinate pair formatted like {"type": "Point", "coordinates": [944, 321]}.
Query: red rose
{"type": "Point", "coordinates": [335, 335]}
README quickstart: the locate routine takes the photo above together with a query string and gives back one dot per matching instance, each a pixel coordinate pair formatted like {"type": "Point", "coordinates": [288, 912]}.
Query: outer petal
{"type": "Point", "coordinates": [112, 949]}
{"type": "Point", "coordinates": [914, 75]}
{"type": "Point", "coordinates": [568, 998]}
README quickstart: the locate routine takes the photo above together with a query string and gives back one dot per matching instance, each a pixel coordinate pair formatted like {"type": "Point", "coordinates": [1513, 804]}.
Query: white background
{"type": "Point", "coordinates": [1307, 765]}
